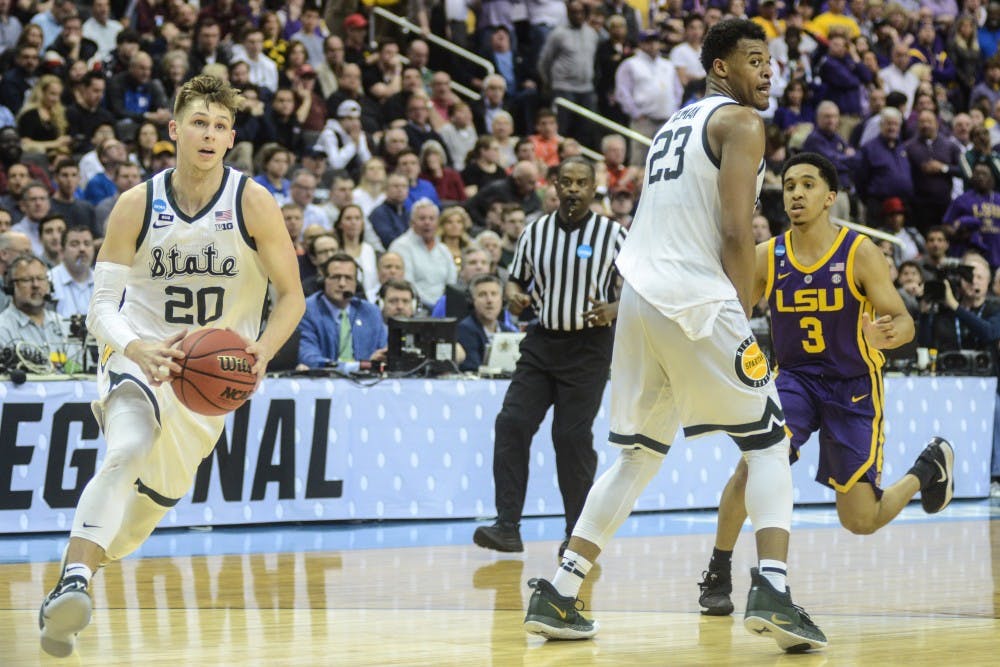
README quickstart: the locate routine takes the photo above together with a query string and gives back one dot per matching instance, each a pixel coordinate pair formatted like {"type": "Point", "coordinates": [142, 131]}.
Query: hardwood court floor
{"type": "Point", "coordinates": [922, 592]}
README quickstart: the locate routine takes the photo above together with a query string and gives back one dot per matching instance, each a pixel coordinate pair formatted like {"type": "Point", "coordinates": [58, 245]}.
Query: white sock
{"type": "Point", "coordinates": [78, 570]}
{"type": "Point", "coordinates": [571, 573]}
{"type": "Point", "coordinates": [775, 571]}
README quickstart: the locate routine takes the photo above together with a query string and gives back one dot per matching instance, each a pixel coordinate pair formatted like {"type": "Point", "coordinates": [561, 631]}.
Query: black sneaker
{"type": "Point", "coordinates": [556, 617]}
{"type": "Point", "coordinates": [941, 457]}
{"type": "Point", "coordinates": [499, 537]}
{"type": "Point", "coordinates": [563, 547]}
{"type": "Point", "coordinates": [64, 613]}
{"type": "Point", "coordinates": [772, 614]}
{"type": "Point", "coordinates": [716, 588]}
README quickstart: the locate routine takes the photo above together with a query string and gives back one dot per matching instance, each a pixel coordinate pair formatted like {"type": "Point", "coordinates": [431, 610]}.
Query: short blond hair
{"type": "Point", "coordinates": [210, 90]}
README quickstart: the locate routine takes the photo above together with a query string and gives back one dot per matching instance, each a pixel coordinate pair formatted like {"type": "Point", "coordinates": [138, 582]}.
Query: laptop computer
{"type": "Point", "coordinates": [503, 353]}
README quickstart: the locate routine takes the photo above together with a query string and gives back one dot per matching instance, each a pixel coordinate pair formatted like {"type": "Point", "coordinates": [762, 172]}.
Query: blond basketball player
{"type": "Point", "coordinates": [684, 353]}
{"type": "Point", "coordinates": [193, 247]}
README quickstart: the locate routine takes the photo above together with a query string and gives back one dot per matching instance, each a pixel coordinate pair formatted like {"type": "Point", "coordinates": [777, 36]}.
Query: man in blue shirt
{"type": "Point", "coordinates": [827, 142]}
{"type": "Point", "coordinates": [476, 331]}
{"type": "Point", "coordinates": [339, 327]}
{"type": "Point", "coordinates": [883, 169]}
{"type": "Point", "coordinates": [390, 218]}
{"type": "Point", "coordinates": [408, 164]}
{"type": "Point", "coordinates": [843, 76]}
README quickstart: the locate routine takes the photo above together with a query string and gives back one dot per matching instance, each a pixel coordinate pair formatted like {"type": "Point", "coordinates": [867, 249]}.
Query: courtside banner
{"type": "Point", "coordinates": [322, 450]}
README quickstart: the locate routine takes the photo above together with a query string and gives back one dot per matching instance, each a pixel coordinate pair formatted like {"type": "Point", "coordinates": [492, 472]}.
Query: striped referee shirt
{"type": "Point", "coordinates": [565, 267]}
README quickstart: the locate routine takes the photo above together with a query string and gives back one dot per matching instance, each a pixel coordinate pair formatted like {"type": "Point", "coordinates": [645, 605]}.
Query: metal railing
{"type": "Point", "coordinates": [455, 86]}
{"type": "Point", "coordinates": [601, 120]}
{"type": "Point", "coordinates": [434, 39]}
{"type": "Point", "coordinates": [868, 231]}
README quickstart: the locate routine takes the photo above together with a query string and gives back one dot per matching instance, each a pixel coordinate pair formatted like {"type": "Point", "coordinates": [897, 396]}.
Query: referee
{"type": "Point", "coordinates": [566, 259]}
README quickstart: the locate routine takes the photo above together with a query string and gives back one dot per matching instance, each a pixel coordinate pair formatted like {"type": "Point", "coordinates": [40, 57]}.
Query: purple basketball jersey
{"type": "Point", "coordinates": [816, 310]}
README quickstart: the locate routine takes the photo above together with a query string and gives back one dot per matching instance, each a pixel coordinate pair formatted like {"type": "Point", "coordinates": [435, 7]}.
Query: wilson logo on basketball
{"type": "Point", "coordinates": [230, 363]}
{"type": "Point", "coordinates": [751, 364]}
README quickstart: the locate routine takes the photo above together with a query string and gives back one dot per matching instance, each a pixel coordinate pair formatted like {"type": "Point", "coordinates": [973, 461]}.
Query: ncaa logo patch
{"type": "Point", "coordinates": [751, 365]}
{"type": "Point", "coordinates": [584, 251]}
{"type": "Point", "coordinates": [159, 205]}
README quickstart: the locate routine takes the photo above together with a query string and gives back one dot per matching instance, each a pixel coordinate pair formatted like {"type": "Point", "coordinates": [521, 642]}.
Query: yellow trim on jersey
{"type": "Point", "coordinates": [822, 260]}
{"type": "Point", "coordinates": [852, 284]}
{"type": "Point", "coordinates": [769, 280]}
{"type": "Point", "coordinates": [873, 359]}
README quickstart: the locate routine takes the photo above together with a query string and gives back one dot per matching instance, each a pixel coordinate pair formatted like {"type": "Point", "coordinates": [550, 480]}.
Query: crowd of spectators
{"type": "Point", "coordinates": [372, 144]}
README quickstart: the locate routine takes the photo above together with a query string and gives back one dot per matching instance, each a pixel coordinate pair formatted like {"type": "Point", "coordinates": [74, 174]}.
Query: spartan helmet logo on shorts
{"type": "Point", "coordinates": [751, 364]}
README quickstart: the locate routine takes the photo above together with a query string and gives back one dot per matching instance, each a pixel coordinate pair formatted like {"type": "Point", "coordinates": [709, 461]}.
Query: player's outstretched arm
{"type": "Point", "coordinates": [893, 325]}
{"type": "Point", "coordinates": [157, 359]}
{"type": "Point", "coordinates": [736, 134]}
{"type": "Point", "coordinates": [266, 225]}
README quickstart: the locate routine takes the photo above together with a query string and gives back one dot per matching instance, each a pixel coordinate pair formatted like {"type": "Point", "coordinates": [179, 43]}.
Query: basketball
{"type": "Point", "coordinates": [216, 375]}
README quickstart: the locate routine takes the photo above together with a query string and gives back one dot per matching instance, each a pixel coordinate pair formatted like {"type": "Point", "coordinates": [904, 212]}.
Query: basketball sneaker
{"type": "Point", "coordinates": [500, 536]}
{"type": "Point", "coordinates": [563, 547]}
{"type": "Point", "coordinates": [556, 617]}
{"type": "Point", "coordinates": [716, 588]}
{"type": "Point", "coordinates": [940, 457]}
{"type": "Point", "coordinates": [772, 614]}
{"type": "Point", "coordinates": [64, 613]}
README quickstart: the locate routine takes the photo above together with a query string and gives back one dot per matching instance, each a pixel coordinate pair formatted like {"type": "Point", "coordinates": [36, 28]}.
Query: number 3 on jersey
{"type": "Point", "coordinates": [665, 164]}
{"type": "Point", "coordinates": [814, 343]}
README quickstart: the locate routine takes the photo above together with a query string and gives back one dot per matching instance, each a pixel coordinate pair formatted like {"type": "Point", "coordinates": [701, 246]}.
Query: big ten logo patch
{"type": "Point", "coordinates": [751, 364]}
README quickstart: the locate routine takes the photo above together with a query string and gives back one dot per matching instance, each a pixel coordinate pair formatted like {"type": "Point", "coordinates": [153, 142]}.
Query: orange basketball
{"type": "Point", "coordinates": [216, 375]}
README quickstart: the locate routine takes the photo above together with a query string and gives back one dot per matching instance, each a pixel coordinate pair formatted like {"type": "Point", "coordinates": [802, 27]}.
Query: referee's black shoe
{"type": "Point", "coordinates": [501, 536]}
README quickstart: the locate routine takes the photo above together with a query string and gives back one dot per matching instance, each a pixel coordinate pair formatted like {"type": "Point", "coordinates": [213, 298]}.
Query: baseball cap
{"type": "Point", "coordinates": [355, 21]}
{"type": "Point", "coordinates": [314, 152]}
{"type": "Point", "coordinates": [161, 147]}
{"type": "Point", "coordinates": [648, 35]}
{"type": "Point", "coordinates": [349, 109]}
{"type": "Point", "coordinates": [893, 205]}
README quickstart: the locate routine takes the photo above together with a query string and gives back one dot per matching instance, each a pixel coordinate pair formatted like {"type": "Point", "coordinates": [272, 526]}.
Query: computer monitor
{"type": "Point", "coordinates": [416, 341]}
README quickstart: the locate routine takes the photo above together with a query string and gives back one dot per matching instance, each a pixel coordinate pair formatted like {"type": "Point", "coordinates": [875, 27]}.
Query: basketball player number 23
{"type": "Point", "coordinates": [674, 160]}
{"type": "Point", "coordinates": [206, 303]}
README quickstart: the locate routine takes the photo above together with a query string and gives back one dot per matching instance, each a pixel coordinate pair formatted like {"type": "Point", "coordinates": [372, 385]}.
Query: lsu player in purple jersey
{"type": "Point", "coordinates": [833, 308]}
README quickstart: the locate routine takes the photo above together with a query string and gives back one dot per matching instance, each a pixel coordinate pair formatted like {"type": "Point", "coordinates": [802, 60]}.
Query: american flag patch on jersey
{"type": "Point", "coordinates": [836, 266]}
{"type": "Point", "coordinates": [227, 216]}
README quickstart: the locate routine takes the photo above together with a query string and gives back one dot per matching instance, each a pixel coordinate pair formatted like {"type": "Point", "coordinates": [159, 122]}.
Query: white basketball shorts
{"type": "Point", "coordinates": [661, 379]}
{"type": "Point", "coordinates": [183, 439]}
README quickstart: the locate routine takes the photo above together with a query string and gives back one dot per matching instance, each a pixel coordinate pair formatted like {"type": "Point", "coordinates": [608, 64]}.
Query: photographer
{"type": "Point", "coordinates": [976, 324]}
{"type": "Point", "coordinates": [950, 322]}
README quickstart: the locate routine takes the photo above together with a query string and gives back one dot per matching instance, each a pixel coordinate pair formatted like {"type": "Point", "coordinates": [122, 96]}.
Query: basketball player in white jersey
{"type": "Point", "coordinates": [193, 247]}
{"type": "Point", "coordinates": [684, 353]}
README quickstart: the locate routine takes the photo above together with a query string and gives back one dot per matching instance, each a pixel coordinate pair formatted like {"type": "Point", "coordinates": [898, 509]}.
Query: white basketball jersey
{"type": "Point", "coordinates": [195, 272]}
{"type": "Point", "coordinates": [673, 254]}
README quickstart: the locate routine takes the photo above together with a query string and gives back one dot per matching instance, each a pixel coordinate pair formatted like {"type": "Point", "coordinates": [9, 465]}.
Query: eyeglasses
{"type": "Point", "coordinates": [38, 280]}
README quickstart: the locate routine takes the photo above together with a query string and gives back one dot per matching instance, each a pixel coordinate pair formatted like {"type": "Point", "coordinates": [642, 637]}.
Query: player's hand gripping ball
{"type": "Point", "coordinates": [216, 373]}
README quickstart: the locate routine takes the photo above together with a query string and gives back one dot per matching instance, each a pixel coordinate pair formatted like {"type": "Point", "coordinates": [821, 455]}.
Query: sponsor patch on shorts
{"type": "Point", "coordinates": [751, 364]}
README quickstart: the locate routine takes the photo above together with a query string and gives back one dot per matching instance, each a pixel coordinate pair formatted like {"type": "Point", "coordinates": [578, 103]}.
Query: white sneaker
{"type": "Point", "coordinates": [995, 489]}
{"type": "Point", "coordinates": [65, 612]}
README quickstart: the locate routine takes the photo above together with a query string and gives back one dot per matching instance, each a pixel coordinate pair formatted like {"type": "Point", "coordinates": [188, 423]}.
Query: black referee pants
{"type": "Point", "coordinates": [567, 370]}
